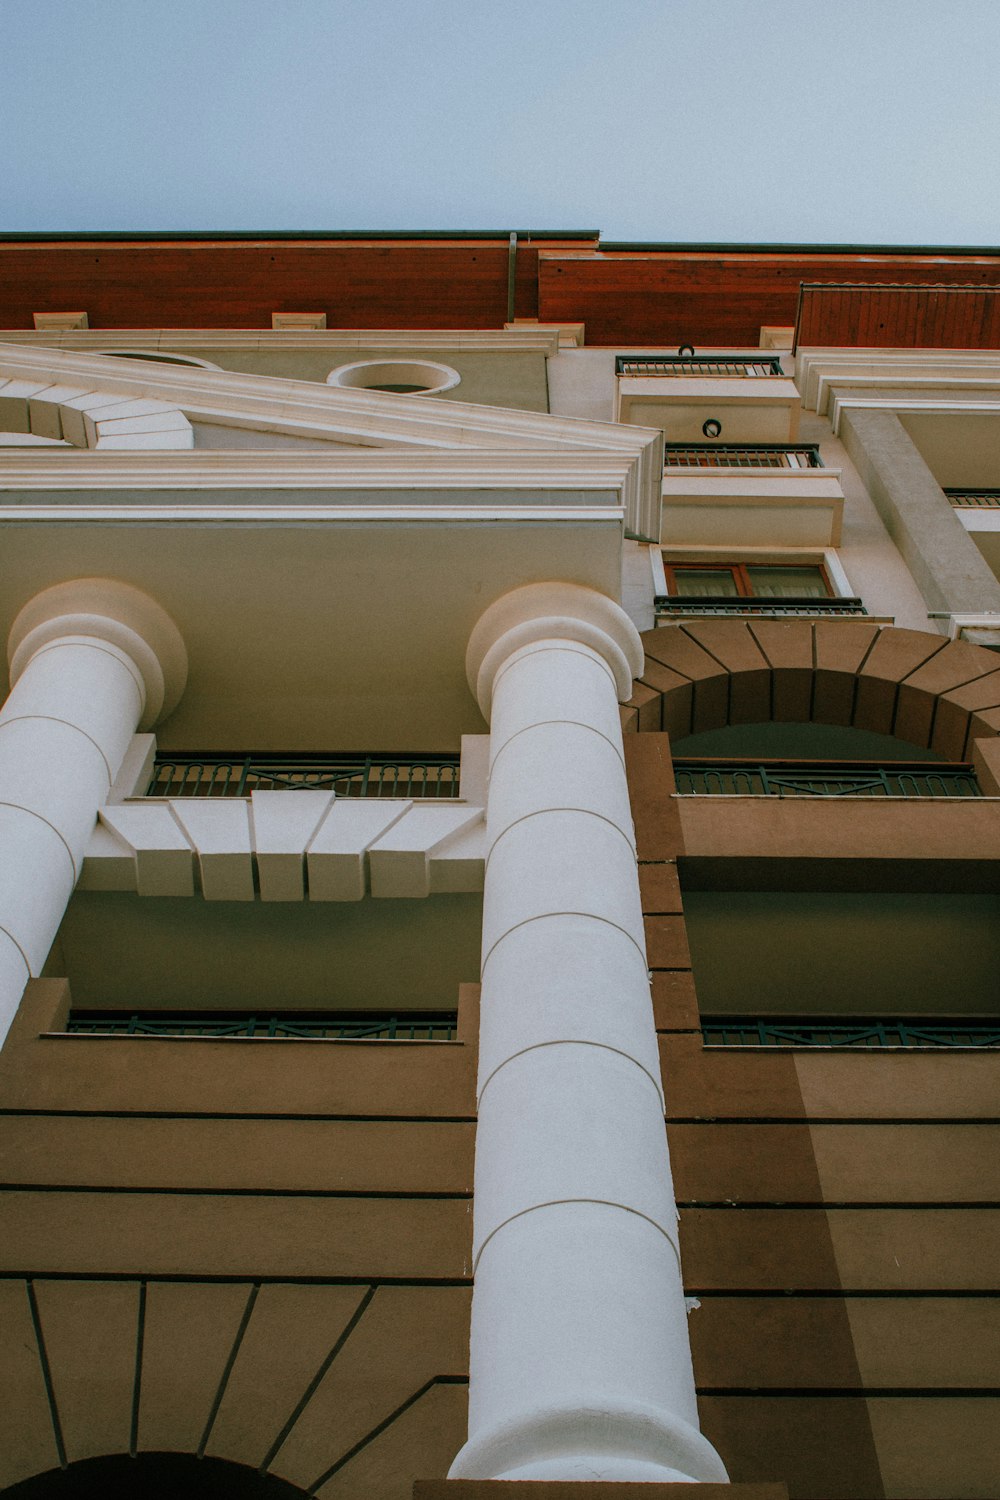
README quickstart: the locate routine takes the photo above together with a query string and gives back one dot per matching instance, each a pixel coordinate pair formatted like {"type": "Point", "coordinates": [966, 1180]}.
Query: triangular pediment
{"type": "Point", "coordinates": [116, 406]}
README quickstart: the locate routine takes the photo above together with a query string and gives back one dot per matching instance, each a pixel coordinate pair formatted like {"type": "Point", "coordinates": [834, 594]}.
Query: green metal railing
{"type": "Point", "coordinates": [188, 775]}
{"type": "Point", "coordinates": [680, 605]}
{"type": "Point", "coordinates": [791, 1031]}
{"type": "Point", "coordinates": [437, 1026]}
{"type": "Point", "coordinates": [810, 778]}
{"type": "Point", "coordinates": [739, 365]}
{"type": "Point", "coordinates": [974, 499]}
{"type": "Point", "coordinates": [742, 456]}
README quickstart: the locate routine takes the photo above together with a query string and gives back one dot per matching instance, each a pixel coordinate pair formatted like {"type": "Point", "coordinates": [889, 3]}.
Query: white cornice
{"type": "Point", "coordinates": [475, 443]}
{"type": "Point", "coordinates": [369, 469]}
{"type": "Point", "coordinates": [285, 515]}
{"type": "Point", "coordinates": [838, 404]}
{"type": "Point", "coordinates": [518, 340]}
{"type": "Point", "coordinates": [898, 379]}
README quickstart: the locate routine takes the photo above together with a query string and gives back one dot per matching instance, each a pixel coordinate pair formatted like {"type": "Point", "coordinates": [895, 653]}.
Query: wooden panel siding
{"type": "Point", "coordinates": [221, 284]}
{"type": "Point", "coordinates": [899, 317]}
{"type": "Point", "coordinates": [704, 295]}
{"type": "Point", "coordinates": [719, 299]}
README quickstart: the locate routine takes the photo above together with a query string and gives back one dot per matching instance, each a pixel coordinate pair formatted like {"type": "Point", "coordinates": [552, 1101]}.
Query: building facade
{"type": "Point", "coordinates": [499, 800]}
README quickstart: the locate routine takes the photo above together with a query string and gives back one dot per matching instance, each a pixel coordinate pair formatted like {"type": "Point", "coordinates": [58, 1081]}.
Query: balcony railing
{"type": "Point", "coordinates": [742, 366]}
{"type": "Point", "coordinates": [425, 776]}
{"type": "Point", "coordinates": [742, 456]}
{"type": "Point", "coordinates": [811, 1031]}
{"type": "Point", "coordinates": [681, 605]}
{"type": "Point", "coordinates": [439, 1026]}
{"type": "Point", "coordinates": [811, 778]}
{"type": "Point", "coordinates": [974, 499]}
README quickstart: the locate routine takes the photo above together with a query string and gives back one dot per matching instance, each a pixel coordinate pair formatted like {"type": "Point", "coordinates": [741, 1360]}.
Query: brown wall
{"type": "Point", "coordinates": [840, 1214]}
{"type": "Point", "coordinates": [254, 1250]}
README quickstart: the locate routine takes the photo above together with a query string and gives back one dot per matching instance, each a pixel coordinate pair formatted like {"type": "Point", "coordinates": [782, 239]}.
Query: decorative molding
{"type": "Point", "coordinates": [570, 335]}
{"type": "Point", "coordinates": [115, 612]}
{"type": "Point", "coordinates": [53, 322]}
{"type": "Point", "coordinates": [283, 844]}
{"type": "Point", "coordinates": [911, 379]}
{"type": "Point", "coordinates": [532, 338]}
{"type": "Point", "coordinates": [91, 416]}
{"type": "Point", "coordinates": [372, 469]}
{"type": "Point", "coordinates": [551, 611]}
{"type": "Point", "coordinates": [298, 322]}
{"type": "Point", "coordinates": [370, 420]}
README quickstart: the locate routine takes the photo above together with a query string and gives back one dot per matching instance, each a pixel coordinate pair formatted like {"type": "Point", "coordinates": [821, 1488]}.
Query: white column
{"type": "Point", "coordinates": [90, 661]}
{"type": "Point", "coordinates": [581, 1367]}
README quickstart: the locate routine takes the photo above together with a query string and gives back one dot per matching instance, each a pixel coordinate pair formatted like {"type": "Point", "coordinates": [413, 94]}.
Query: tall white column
{"type": "Point", "coordinates": [581, 1367]}
{"type": "Point", "coordinates": [90, 662]}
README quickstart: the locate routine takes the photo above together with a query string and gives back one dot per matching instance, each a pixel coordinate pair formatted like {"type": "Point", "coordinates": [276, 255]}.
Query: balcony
{"type": "Point", "coordinates": [748, 778]}
{"type": "Point", "coordinates": [742, 399]}
{"type": "Point", "coordinates": [742, 456]}
{"type": "Point", "coordinates": [685, 607]}
{"type": "Point", "coordinates": [298, 1025]}
{"type": "Point", "coordinates": [868, 1034]}
{"type": "Point", "coordinates": [974, 499]}
{"type": "Point", "coordinates": [190, 775]}
{"type": "Point", "coordinates": [749, 495]}
{"type": "Point", "coordinates": [729, 366]}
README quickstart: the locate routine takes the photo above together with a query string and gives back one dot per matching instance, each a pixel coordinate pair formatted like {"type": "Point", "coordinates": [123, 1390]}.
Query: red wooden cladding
{"type": "Point", "coordinates": [669, 298]}
{"type": "Point", "coordinates": [899, 317]}
{"type": "Point", "coordinates": [660, 298]}
{"type": "Point", "coordinates": [226, 285]}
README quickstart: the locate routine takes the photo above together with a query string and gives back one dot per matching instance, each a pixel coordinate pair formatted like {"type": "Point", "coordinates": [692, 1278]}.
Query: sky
{"type": "Point", "coordinates": [847, 121]}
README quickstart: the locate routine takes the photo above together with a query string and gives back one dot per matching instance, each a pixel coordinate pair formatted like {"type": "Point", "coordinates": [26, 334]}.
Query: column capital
{"type": "Point", "coordinates": [552, 611]}
{"type": "Point", "coordinates": [119, 615]}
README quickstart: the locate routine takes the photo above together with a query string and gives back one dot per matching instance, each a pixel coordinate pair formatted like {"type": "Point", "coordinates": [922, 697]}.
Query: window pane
{"type": "Point", "coordinates": [699, 583]}
{"type": "Point", "coordinates": [788, 583]}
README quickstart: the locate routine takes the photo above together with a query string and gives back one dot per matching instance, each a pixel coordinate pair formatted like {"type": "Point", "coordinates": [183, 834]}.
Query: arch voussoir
{"type": "Point", "coordinates": [913, 684]}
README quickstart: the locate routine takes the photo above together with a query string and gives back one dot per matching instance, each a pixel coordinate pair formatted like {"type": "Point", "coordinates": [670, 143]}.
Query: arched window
{"type": "Point", "coordinates": [153, 1476]}
{"type": "Point", "coordinates": [158, 358]}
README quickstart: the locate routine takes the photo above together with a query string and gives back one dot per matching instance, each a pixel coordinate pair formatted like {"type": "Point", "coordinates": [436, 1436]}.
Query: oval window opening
{"type": "Point", "coordinates": [400, 377]}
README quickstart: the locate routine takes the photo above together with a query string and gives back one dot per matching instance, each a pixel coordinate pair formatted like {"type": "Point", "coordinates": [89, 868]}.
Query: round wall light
{"type": "Point", "coordinates": [712, 428]}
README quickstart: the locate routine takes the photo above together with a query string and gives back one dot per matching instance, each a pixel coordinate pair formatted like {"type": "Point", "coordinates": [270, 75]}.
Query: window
{"type": "Point", "coordinates": [747, 581]}
{"type": "Point", "coordinates": [403, 377]}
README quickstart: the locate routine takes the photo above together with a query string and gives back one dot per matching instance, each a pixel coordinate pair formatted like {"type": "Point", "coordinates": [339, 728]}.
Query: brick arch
{"type": "Point", "coordinates": [916, 685]}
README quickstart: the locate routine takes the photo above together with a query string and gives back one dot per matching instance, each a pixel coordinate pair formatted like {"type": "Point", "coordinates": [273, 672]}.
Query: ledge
{"type": "Point", "coordinates": [741, 508]}
{"type": "Point", "coordinates": [836, 843]}
{"type": "Point", "coordinates": [514, 1489]}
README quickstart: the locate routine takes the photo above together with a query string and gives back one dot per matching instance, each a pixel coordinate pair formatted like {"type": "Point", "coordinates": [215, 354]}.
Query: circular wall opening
{"type": "Point", "coordinates": [403, 377]}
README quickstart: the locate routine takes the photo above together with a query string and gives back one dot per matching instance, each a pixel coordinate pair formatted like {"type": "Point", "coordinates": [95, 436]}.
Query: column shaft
{"type": "Point", "coordinates": [580, 1367]}
{"type": "Point", "coordinates": [63, 733]}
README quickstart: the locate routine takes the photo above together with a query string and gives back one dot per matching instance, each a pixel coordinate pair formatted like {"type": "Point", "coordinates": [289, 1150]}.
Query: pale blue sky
{"type": "Point", "coordinates": [795, 120]}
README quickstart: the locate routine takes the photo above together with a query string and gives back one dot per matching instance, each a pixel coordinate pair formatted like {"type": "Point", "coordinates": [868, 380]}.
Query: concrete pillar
{"type": "Point", "coordinates": [950, 571]}
{"type": "Point", "coordinates": [581, 1368]}
{"type": "Point", "coordinates": [90, 661]}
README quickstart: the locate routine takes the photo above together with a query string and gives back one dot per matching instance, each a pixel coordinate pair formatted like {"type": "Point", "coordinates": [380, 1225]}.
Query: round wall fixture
{"type": "Point", "coordinates": [712, 428]}
{"type": "Point", "coordinates": [403, 377]}
{"type": "Point", "coordinates": [685, 350]}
